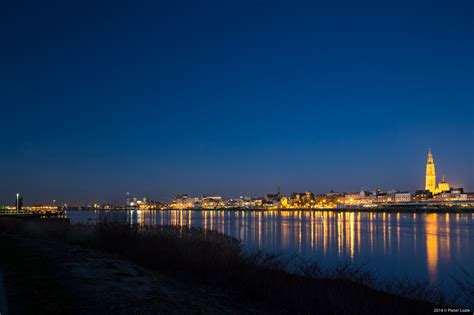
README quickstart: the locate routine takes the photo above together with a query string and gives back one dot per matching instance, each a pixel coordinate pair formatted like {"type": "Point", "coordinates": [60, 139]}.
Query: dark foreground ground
{"type": "Point", "coordinates": [52, 267]}
{"type": "Point", "coordinates": [48, 277]}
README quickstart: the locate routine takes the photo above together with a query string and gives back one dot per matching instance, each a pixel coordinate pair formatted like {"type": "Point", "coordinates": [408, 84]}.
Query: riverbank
{"type": "Point", "coordinates": [114, 267]}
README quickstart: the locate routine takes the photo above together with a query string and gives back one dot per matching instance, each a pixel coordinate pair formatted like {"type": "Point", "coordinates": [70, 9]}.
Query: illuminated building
{"type": "Point", "coordinates": [272, 197]}
{"type": "Point", "coordinates": [381, 197]}
{"type": "Point", "coordinates": [293, 201]}
{"type": "Point", "coordinates": [272, 204]}
{"type": "Point", "coordinates": [443, 186]}
{"type": "Point", "coordinates": [209, 202]}
{"type": "Point", "coordinates": [273, 201]}
{"type": "Point", "coordinates": [296, 200]}
{"type": "Point", "coordinates": [430, 181]}
{"type": "Point", "coordinates": [248, 202]}
{"type": "Point", "coordinates": [182, 201]}
{"type": "Point", "coordinates": [452, 194]}
{"type": "Point", "coordinates": [42, 209]}
{"type": "Point", "coordinates": [329, 200]}
{"type": "Point", "coordinates": [391, 196]}
{"type": "Point", "coordinates": [308, 199]}
{"type": "Point", "coordinates": [422, 195]}
{"type": "Point", "coordinates": [18, 202]}
{"type": "Point", "coordinates": [233, 203]}
{"type": "Point", "coordinates": [402, 197]}
{"type": "Point", "coordinates": [285, 202]}
{"type": "Point", "coordinates": [363, 197]}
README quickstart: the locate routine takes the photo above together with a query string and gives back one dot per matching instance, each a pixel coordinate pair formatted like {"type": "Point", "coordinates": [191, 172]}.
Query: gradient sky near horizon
{"type": "Point", "coordinates": [232, 97]}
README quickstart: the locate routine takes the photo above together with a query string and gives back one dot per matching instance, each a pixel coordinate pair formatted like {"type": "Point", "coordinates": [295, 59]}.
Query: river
{"type": "Point", "coordinates": [429, 247]}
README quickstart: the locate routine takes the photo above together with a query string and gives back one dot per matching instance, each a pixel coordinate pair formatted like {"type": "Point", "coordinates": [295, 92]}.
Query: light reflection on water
{"type": "Point", "coordinates": [422, 246]}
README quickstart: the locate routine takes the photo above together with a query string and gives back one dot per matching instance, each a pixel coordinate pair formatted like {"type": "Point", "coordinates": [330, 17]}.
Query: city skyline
{"type": "Point", "coordinates": [431, 187]}
{"type": "Point", "coordinates": [233, 99]}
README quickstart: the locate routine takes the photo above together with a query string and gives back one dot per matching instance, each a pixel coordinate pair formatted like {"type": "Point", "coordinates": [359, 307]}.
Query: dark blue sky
{"type": "Point", "coordinates": [232, 97]}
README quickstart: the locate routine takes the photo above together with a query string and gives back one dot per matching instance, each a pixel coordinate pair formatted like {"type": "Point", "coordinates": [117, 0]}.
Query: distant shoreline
{"type": "Point", "coordinates": [389, 210]}
{"type": "Point", "coordinates": [378, 210]}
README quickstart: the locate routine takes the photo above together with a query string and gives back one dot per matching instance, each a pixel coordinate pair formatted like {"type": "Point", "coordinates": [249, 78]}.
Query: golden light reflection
{"type": "Point", "coordinates": [358, 231]}
{"type": "Point", "coordinates": [352, 234]}
{"type": "Point", "coordinates": [431, 228]}
{"type": "Point", "coordinates": [340, 234]}
{"type": "Point", "coordinates": [312, 230]}
{"type": "Point", "coordinates": [398, 233]}
{"type": "Point", "coordinates": [384, 227]}
{"type": "Point", "coordinates": [325, 232]}
{"type": "Point", "coordinates": [415, 247]}
{"type": "Point", "coordinates": [299, 231]}
{"type": "Point", "coordinates": [211, 219]}
{"type": "Point", "coordinates": [371, 232]}
{"type": "Point", "coordinates": [334, 235]}
{"type": "Point", "coordinates": [447, 238]}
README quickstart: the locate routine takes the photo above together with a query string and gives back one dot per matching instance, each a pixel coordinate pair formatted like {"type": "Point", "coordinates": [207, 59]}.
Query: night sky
{"type": "Point", "coordinates": [232, 97]}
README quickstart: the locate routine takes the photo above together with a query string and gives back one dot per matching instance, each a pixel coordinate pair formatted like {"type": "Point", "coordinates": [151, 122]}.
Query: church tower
{"type": "Point", "coordinates": [430, 183]}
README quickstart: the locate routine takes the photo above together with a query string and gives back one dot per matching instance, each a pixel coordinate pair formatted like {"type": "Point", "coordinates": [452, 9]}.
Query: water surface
{"type": "Point", "coordinates": [430, 246]}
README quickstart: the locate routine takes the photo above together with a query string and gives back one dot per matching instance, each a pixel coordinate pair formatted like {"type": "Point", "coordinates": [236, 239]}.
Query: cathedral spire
{"type": "Point", "coordinates": [430, 157]}
{"type": "Point", "coordinates": [430, 183]}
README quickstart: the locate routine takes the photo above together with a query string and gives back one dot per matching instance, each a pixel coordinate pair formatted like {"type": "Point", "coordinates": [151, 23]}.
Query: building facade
{"type": "Point", "coordinates": [402, 197]}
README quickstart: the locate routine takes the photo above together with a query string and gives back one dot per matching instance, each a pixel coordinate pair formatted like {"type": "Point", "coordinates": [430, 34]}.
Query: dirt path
{"type": "Point", "coordinates": [44, 277]}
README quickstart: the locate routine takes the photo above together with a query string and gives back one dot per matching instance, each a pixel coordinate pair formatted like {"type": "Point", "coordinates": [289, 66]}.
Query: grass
{"type": "Point", "coordinates": [218, 261]}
